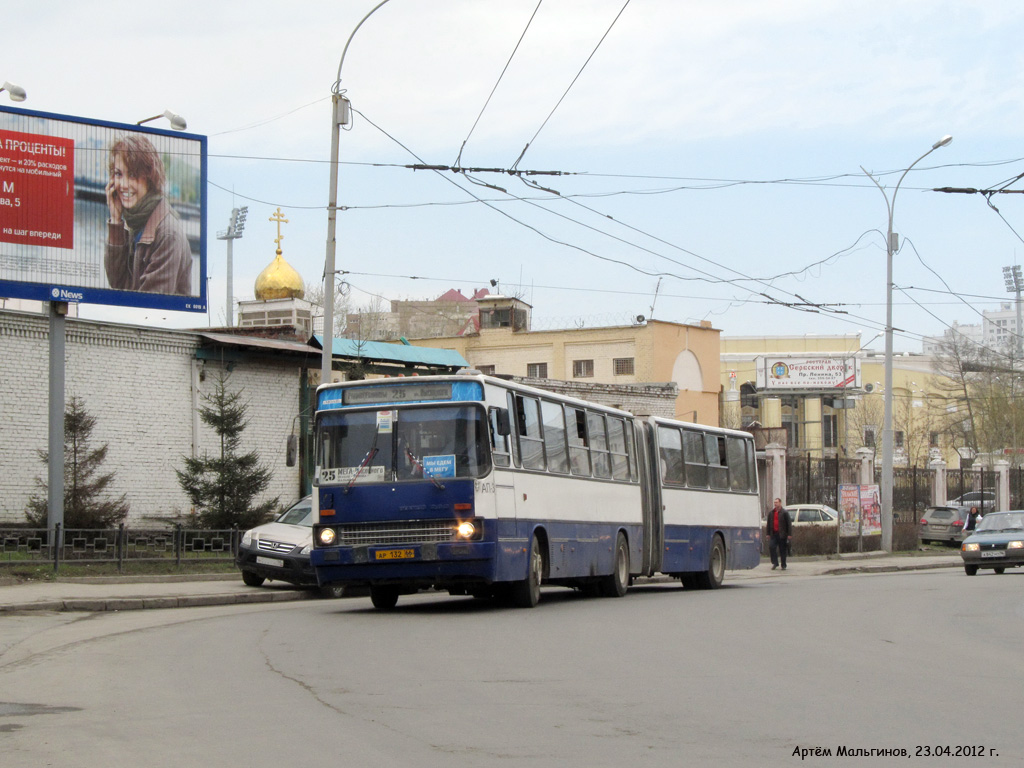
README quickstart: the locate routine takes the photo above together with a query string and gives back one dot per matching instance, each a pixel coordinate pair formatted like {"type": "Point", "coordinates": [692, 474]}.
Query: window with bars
{"type": "Point", "coordinates": [582, 369]}
{"type": "Point", "coordinates": [536, 370]}
{"type": "Point", "coordinates": [486, 369]}
{"type": "Point", "coordinates": [623, 366]}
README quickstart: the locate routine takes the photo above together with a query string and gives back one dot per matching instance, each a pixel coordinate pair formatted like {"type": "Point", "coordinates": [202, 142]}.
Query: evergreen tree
{"type": "Point", "coordinates": [223, 488]}
{"type": "Point", "coordinates": [87, 501]}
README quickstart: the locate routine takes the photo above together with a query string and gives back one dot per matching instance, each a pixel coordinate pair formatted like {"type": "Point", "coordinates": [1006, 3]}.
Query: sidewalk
{"type": "Point", "coordinates": [111, 593]}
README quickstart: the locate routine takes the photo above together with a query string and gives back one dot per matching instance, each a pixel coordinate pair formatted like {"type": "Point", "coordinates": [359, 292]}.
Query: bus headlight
{"type": "Point", "coordinates": [326, 536]}
{"type": "Point", "coordinates": [466, 530]}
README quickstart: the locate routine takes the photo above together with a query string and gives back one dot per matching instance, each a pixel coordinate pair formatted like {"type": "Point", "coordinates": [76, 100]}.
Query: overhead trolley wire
{"type": "Point", "coordinates": [495, 88]}
{"type": "Point", "coordinates": [555, 108]}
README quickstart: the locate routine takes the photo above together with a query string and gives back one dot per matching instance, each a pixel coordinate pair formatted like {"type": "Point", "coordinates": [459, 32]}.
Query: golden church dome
{"type": "Point", "coordinates": [279, 281]}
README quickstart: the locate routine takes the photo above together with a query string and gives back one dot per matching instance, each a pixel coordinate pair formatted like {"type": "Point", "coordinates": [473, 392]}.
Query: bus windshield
{"type": "Point", "coordinates": [382, 446]}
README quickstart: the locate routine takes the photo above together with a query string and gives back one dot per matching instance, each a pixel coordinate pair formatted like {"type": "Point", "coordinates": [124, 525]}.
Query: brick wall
{"type": "Point", "coordinates": [138, 385]}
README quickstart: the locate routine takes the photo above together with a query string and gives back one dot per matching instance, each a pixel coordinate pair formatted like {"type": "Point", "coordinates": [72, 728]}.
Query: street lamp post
{"type": "Point", "coordinates": [1015, 284]}
{"type": "Point", "coordinates": [340, 116]}
{"type": "Point", "coordinates": [887, 436]}
{"type": "Point", "coordinates": [236, 226]}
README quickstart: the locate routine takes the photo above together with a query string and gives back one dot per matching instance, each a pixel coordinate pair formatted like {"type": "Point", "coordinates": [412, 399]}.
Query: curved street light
{"type": "Point", "coordinates": [339, 116]}
{"type": "Point", "coordinates": [177, 121]}
{"type": "Point", "coordinates": [16, 92]}
{"type": "Point", "coordinates": [887, 436]}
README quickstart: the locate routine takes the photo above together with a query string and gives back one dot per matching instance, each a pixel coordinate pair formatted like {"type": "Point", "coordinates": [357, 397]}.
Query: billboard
{"type": "Point", "coordinates": [860, 510]}
{"type": "Point", "coordinates": [807, 373]}
{"type": "Point", "coordinates": [101, 213]}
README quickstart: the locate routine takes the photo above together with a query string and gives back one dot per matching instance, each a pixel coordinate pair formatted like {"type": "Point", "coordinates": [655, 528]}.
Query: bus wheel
{"type": "Point", "coordinates": [616, 583]}
{"type": "Point", "coordinates": [526, 593]}
{"type": "Point", "coordinates": [384, 598]}
{"type": "Point", "coordinates": [713, 577]}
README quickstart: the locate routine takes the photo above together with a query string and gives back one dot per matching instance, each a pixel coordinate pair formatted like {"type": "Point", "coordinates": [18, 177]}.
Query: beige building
{"type": "Point", "coordinates": [648, 352]}
{"type": "Point", "coordinates": [838, 406]}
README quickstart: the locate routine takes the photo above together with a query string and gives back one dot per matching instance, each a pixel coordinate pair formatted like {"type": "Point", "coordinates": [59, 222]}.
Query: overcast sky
{"type": "Point", "coordinates": [708, 155]}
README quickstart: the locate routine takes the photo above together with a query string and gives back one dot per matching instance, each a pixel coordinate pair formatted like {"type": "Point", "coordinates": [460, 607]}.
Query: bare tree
{"type": "Point", "coordinates": [982, 387]}
{"type": "Point", "coordinates": [315, 296]}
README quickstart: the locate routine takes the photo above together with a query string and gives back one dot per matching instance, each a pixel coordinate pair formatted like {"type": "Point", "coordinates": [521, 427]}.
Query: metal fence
{"type": "Point", "coordinates": [816, 481]}
{"type": "Point", "coordinates": [911, 491]}
{"type": "Point", "coordinates": [122, 545]}
{"type": "Point", "coordinates": [961, 481]}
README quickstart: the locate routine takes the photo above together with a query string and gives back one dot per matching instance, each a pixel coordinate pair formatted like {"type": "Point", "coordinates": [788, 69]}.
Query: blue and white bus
{"type": "Point", "coordinates": [478, 485]}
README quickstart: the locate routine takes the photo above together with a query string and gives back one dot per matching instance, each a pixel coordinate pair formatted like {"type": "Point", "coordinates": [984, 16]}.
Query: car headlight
{"type": "Point", "coordinates": [247, 538]}
{"type": "Point", "coordinates": [1015, 545]}
{"type": "Point", "coordinates": [305, 549]}
{"type": "Point", "coordinates": [971, 547]}
{"type": "Point", "coordinates": [326, 536]}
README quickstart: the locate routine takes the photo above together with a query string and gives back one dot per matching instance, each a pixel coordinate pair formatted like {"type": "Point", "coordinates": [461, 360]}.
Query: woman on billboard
{"type": "Point", "coordinates": [147, 249]}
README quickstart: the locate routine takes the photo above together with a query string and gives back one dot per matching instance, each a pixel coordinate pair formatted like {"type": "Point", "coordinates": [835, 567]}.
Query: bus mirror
{"type": "Point", "coordinates": [502, 422]}
{"type": "Point", "coordinates": [291, 450]}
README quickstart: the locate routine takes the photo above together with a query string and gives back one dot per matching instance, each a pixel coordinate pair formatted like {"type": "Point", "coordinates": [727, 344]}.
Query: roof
{"type": "Point", "coordinates": [237, 340]}
{"type": "Point", "coordinates": [394, 353]}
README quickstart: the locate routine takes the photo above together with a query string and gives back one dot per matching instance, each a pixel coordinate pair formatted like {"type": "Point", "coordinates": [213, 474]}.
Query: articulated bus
{"type": "Point", "coordinates": [481, 486]}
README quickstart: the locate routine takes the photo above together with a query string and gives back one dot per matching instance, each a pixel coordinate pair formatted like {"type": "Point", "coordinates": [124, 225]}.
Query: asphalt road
{"type": "Point", "coordinates": [747, 675]}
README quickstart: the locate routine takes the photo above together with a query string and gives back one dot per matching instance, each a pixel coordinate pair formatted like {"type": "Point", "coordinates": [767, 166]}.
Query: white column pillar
{"type": "Point", "coordinates": [938, 468]}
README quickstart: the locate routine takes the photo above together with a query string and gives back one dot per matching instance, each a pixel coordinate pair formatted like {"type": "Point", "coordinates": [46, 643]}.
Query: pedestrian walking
{"type": "Point", "coordinates": [972, 519]}
{"type": "Point", "coordinates": [780, 529]}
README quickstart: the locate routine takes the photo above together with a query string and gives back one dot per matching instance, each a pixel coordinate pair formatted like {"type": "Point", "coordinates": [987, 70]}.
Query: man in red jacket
{"type": "Point", "coordinates": [780, 529]}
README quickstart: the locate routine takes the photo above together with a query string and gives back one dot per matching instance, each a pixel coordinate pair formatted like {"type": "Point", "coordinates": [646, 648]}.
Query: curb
{"type": "Point", "coordinates": [888, 568]}
{"type": "Point", "coordinates": [94, 605]}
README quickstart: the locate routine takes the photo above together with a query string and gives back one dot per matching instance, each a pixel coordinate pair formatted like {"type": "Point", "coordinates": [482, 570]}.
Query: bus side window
{"type": "Point", "coordinates": [513, 429]}
{"type": "Point", "coordinates": [736, 448]}
{"type": "Point", "coordinates": [696, 463]}
{"type": "Point", "coordinates": [554, 437]}
{"type": "Point", "coordinates": [670, 455]}
{"type": "Point", "coordinates": [715, 452]}
{"type": "Point", "coordinates": [617, 448]}
{"type": "Point", "coordinates": [579, 451]}
{"type": "Point", "coordinates": [631, 450]}
{"type": "Point", "coordinates": [531, 442]}
{"type": "Point", "coordinates": [499, 437]}
{"type": "Point", "coordinates": [598, 444]}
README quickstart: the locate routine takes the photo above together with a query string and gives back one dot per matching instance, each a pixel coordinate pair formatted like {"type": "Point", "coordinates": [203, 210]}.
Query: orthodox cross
{"type": "Point", "coordinates": [279, 218]}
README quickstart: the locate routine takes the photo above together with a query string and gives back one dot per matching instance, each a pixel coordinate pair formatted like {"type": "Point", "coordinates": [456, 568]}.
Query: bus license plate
{"type": "Point", "coordinates": [995, 553]}
{"type": "Point", "coordinates": [395, 554]}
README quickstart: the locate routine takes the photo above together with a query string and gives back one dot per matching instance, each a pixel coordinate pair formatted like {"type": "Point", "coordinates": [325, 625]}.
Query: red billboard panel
{"type": "Point", "coordinates": [37, 189]}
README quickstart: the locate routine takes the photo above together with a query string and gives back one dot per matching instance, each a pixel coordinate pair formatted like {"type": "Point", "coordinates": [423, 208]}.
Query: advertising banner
{"type": "Point", "coordinates": [101, 213]}
{"type": "Point", "coordinates": [860, 510]}
{"type": "Point", "coordinates": [807, 373]}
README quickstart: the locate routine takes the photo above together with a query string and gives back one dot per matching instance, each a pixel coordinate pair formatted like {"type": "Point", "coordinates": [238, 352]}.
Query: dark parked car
{"type": "Point", "coordinates": [997, 543]}
{"type": "Point", "coordinates": [943, 524]}
{"type": "Point", "coordinates": [279, 551]}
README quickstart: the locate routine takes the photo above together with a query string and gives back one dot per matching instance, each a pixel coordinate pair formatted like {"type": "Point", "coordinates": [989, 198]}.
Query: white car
{"type": "Point", "coordinates": [279, 551]}
{"type": "Point", "coordinates": [812, 514]}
